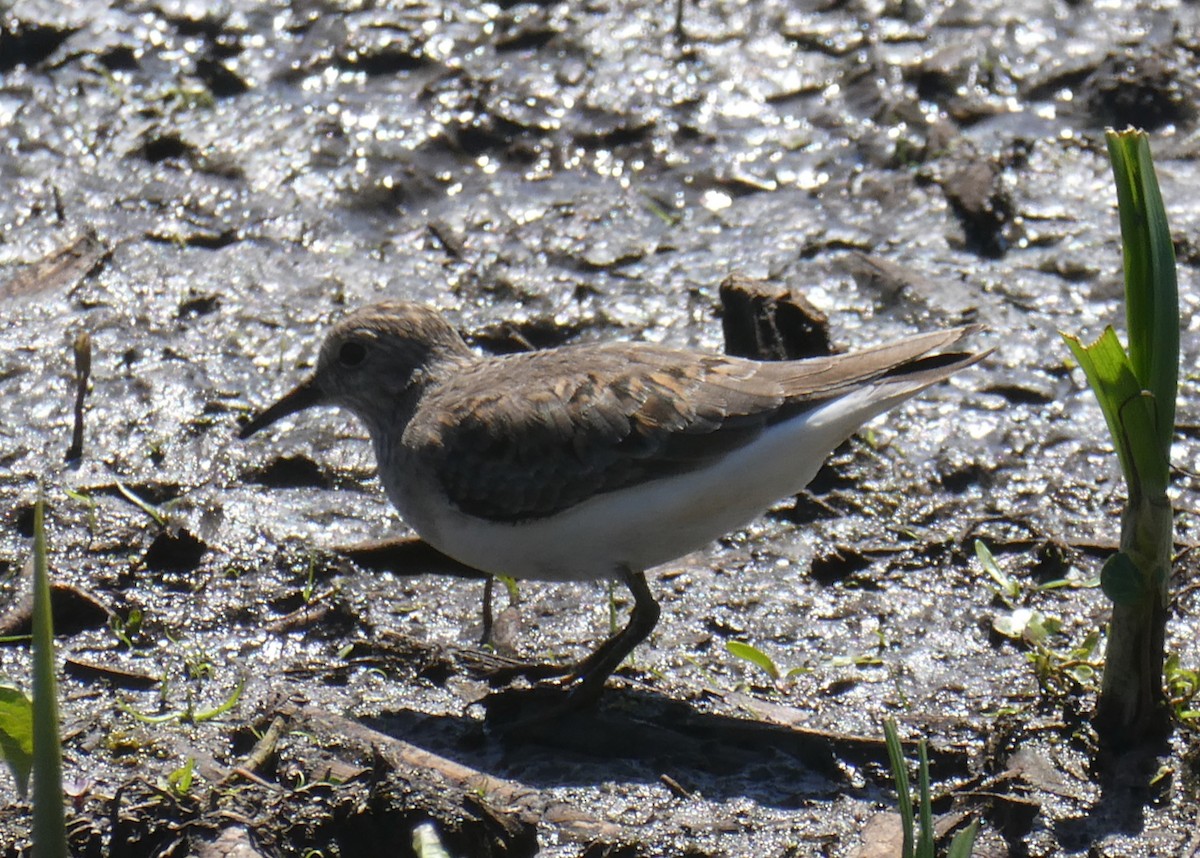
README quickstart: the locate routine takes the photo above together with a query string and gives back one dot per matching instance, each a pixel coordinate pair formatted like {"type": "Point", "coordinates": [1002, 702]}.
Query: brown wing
{"type": "Point", "coordinates": [585, 420]}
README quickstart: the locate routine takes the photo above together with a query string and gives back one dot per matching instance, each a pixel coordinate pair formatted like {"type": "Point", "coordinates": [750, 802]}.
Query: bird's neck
{"type": "Point", "coordinates": [389, 410]}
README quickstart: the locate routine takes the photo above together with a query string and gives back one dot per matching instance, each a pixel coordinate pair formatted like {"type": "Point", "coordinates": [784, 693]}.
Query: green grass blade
{"type": "Point", "coordinates": [49, 820]}
{"type": "Point", "coordinates": [142, 504]}
{"type": "Point", "coordinates": [900, 775]}
{"type": "Point", "coordinates": [165, 718]}
{"type": "Point", "coordinates": [226, 706]}
{"type": "Point", "coordinates": [925, 839]}
{"type": "Point", "coordinates": [1151, 287]}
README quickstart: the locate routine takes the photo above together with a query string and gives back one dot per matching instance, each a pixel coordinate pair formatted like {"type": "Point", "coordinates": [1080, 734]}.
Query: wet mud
{"type": "Point", "coordinates": [202, 188]}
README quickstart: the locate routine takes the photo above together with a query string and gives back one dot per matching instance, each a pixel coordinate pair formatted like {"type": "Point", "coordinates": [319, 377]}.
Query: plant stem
{"type": "Point", "coordinates": [1133, 705]}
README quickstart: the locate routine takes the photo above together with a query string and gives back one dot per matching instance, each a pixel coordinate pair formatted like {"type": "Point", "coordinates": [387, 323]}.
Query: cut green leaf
{"type": "Point", "coordinates": [16, 734]}
{"type": "Point", "coordinates": [964, 842]}
{"type": "Point", "coordinates": [1128, 410]}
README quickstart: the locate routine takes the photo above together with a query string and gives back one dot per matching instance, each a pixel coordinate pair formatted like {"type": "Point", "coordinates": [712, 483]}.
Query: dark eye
{"type": "Point", "coordinates": [351, 354]}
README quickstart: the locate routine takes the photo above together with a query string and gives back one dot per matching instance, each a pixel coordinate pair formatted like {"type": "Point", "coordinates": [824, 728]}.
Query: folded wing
{"type": "Point", "coordinates": [631, 414]}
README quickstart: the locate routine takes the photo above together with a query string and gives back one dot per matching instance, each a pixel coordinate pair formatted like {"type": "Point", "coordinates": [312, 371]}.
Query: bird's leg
{"type": "Point", "coordinates": [502, 668]}
{"type": "Point", "coordinates": [595, 669]}
{"type": "Point", "coordinates": [530, 709]}
{"type": "Point", "coordinates": [486, 637]}
{"type": "Point", "coordinates": [586, 678]}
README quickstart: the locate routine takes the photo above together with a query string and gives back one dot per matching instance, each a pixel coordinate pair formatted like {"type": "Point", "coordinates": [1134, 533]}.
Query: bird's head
{"type": "Point", "coordinates": [369, 360]}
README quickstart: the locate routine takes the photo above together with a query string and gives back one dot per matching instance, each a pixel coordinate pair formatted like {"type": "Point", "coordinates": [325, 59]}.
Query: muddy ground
{"type": "Point", "coordinates": [203, 187]}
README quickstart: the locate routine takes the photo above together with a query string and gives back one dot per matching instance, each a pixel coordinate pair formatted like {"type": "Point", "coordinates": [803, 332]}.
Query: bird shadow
{"type": "Point", "coordinates": [635, 735]}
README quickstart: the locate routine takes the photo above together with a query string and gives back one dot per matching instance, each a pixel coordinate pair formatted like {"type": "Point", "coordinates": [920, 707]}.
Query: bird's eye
{"type": "Point", "coordinates": [351, 354]}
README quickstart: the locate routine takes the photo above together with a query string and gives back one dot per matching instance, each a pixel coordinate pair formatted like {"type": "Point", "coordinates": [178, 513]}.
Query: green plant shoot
{"type": "Point", "coordinates": [917, 835]}
{"type": "Point", "coordinates": [1136, 391]}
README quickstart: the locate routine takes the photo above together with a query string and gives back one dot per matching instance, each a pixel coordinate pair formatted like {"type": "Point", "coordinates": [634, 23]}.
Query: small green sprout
{"type": "Point", "coordinates": [1136, 391]}
{"type": "Point", "coordinates": [1056, 668]}
{"type": "Point", "coordinates": [920, 844]}
{"type": "Point", "coordinates": [141, 503]}
{"type": "Point", "coordinates": [197, 664]}
{"type": "Point", "coordinates": [752, 654]}
{"type": "Point", "coordinates": [1183, 684]}
{"type": "Point", "coordinates": [180, 780]}
{"type": "Point", "coordinates": [309, 588]}
{"type": "Point", "coordinates": [189, 714]}
{"type": "Point", "coordinates": [1007, 588]}
{"type": "Point", "coordinates": [1026, 624]}
{"type": "Point", "coordinates": [127, 628]}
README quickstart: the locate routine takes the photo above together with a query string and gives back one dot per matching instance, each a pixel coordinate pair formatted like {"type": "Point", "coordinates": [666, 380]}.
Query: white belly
{"type": "Point", "coordinates": [658, 521]}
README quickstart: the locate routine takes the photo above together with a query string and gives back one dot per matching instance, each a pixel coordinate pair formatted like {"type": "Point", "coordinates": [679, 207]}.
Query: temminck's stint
{"type": "Point", "coordinates": [595, 461]}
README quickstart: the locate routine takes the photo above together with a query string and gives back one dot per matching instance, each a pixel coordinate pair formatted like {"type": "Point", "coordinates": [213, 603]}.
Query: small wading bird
{"type": "Point", "coordinates": [594, 461]}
